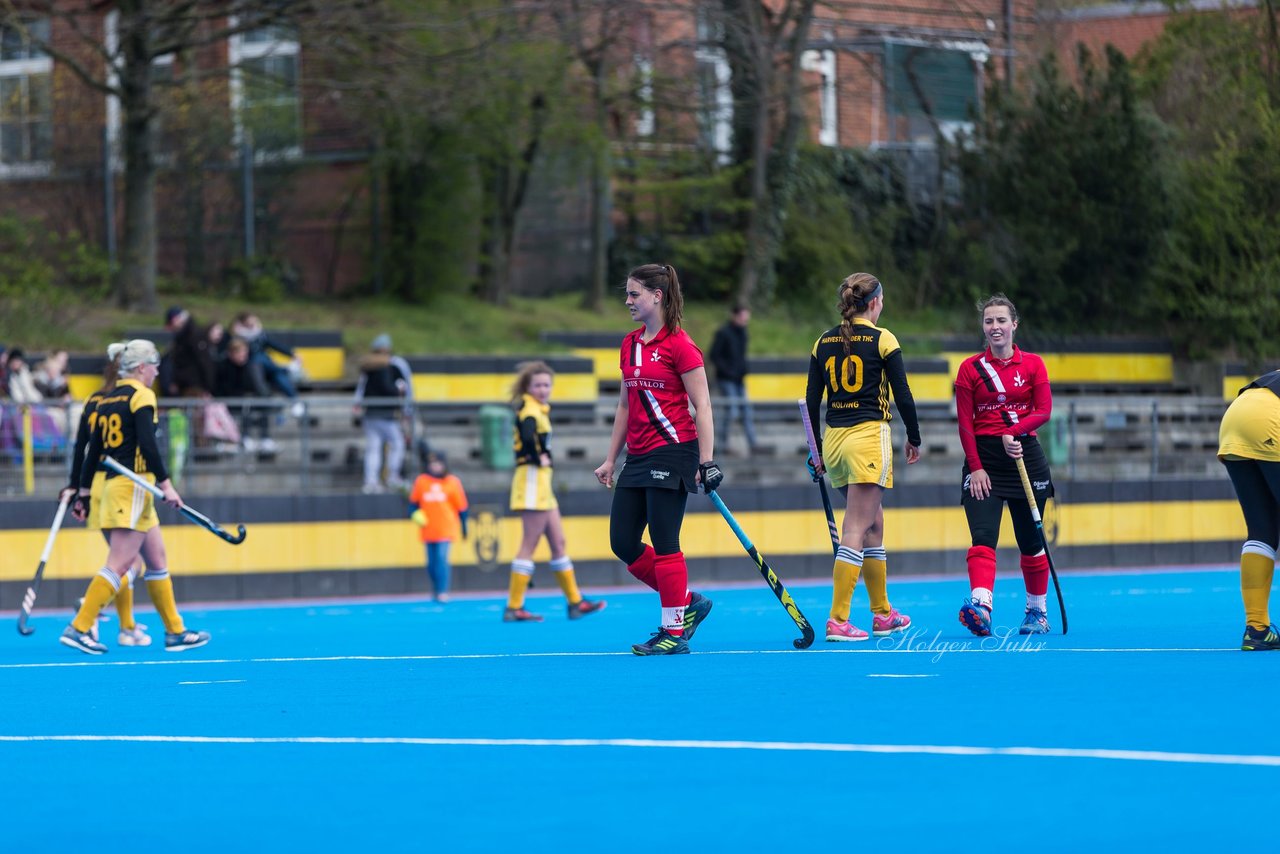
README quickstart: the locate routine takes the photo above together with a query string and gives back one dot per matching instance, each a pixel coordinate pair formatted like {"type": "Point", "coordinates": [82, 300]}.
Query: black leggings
{"type": "Point", "coordinates": [634, 508]}
{"type": "Point", "coordinates": [984, 522]}
{"type": "Point", "coordinates": [1257, 485]}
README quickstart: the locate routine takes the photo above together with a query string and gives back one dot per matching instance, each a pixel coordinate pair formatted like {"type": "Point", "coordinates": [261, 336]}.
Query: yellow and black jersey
{"type": "Point", "coordinates": [857, 382]}
{"type": "Point", "coordinates": [82, 434]}
{"type": "Point", "coordinates": [533, 431]}
{"type": "Point", "coordinates": [123, 426]}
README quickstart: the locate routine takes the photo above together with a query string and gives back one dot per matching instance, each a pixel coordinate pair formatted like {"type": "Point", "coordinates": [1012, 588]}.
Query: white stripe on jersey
{"type": "Point", "coordinates": [639, 359]}
{"type": "Point", "coordinates": [662, 418]}
{"type": "Point", "coordinates": [995, 378]}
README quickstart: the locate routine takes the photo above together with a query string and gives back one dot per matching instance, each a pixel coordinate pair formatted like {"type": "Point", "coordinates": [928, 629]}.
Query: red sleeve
{"type": "Point", "coordinates": [685, 356]}
{"type": "Point", "coordinates": [1041, 399]}
{"type": "Point", "coordinates": [965, 378]}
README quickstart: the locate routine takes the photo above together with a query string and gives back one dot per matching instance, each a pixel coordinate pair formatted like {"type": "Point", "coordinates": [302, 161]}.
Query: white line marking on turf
{"type": "Point", "coordinates": [480, 656]}
{"type": "Point", "coordinates": [900, 675]}
{"type": "Point", "coordinates": [213, 682]}
{"type": "Point", "coordinates": [690, 744]}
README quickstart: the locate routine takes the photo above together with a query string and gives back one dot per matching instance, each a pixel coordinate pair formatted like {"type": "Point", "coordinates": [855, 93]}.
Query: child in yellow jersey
{"type": "Point", "coordinates": [533, 498]}
{"type": "Point", "coordinates": [440, 511]}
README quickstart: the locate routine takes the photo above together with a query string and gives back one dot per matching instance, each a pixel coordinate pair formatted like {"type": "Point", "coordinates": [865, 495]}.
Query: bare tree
{"type": "Point", "coordinates": [121, 67]}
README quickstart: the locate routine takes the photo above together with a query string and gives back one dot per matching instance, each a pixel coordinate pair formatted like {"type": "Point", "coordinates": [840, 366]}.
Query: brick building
{"type": "Point", "coordinates": [881, 74]}
{"type": "Point", "coordinates": [1127, 26]}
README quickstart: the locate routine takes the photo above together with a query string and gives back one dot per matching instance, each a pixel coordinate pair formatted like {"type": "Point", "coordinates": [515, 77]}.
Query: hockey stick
{"type": "Point", "coordinates": [1035, 514]}
{"type": "Point", "coordinates": [194, 515]}
{"type": "Point", "coordinates": [769, 576]}
{"type": "Point", "coordinates": [29, 600]}
{"type": "Point", "coordinates": [822, 481]}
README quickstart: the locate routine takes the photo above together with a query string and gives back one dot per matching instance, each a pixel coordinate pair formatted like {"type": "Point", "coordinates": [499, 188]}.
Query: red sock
{"type": "Point", "coordinates": [673, 590]}
{"type": "Point", "coordinates": [1035, 572]}
{"type": "Point", "coordinates": [643, 568]}
{"type": "Point", "coordinates": [982, 567]}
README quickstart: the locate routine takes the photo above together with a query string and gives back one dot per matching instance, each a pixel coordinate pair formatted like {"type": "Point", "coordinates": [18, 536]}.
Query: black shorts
{"type": "Point", "coordinates": [667, 467]}
{"type": "Point", "coordinates": [1003, 469]}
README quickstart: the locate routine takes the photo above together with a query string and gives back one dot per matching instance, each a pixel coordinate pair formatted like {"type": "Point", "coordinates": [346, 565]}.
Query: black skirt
{"type": "Point", "coordinates": [1003, 469]}
{"type": "Point", "coordinates": [667, 467]}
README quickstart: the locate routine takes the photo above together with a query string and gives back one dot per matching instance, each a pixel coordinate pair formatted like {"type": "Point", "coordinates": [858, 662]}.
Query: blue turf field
{"type": "Point", "coordinates": [408, 726]}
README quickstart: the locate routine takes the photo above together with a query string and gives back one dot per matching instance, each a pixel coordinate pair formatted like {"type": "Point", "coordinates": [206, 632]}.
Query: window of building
{"type": "Point", "coordinates": [823, 62]}
{"type": "Point", "coordinates": [923, 81]}
{"type": "Point", "coordinates": [645, 122]}
{"type": "Point", "coordinates": [26, 102]}
{"type": "Point", "coordinates": [713, 74]}
{"type": "Point", "coordinates": [265, 97]}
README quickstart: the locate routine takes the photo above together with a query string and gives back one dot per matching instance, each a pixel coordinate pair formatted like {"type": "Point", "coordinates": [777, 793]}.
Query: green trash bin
{"type": "Point", "coordinates": [1054, 440]}
{"type": "Point", "coordinates": [497, 436]}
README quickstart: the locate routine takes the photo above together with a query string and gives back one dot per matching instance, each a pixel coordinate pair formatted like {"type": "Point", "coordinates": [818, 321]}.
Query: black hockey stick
{"type": "Point", "coordinates": [29, 600]}
{"type": "Point", "coordinates": [769, 576]}
{"type": "Point", "coordinates": [1035, 514]}
{"type": "Point", "coordinates": [822, 481]}
{"type": "Point", "coordinates": [194, 515]}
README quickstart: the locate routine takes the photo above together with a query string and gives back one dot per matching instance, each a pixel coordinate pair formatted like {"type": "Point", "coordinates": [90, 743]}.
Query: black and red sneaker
{"type": "Point", "coordinates": [580, 609]}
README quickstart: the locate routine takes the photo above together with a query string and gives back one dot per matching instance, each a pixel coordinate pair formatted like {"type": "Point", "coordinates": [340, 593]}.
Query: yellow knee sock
{"type": "Point", "coordinates": [102, 589]}
{"type": "Point", "coordinates": [875, 572]}
{"type": "Point", "coordinates": [160, 590]}
{"type": "Point", "coordinates": [124, 603]}
{"type": "Point", "coordinates": [1256, 571]}
{"type": "Point", "coordinates": [845, 578]}
{"type": "Point", "coordinates": [521, 573]}
{"type": "Point", "coordinates": [568, 581]}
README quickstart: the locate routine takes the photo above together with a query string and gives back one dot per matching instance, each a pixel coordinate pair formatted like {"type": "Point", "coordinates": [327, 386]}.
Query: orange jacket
{"type": "Point", "coordinates": [441, 500]}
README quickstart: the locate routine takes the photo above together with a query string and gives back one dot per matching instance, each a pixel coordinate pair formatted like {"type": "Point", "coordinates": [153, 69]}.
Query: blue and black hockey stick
{"type": "Point", "coordinates": [770, 577]}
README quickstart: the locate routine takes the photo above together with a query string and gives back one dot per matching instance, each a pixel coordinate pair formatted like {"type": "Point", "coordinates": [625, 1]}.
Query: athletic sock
{"type": "Point", "coordinates": [673, 590]}
{"type": "Point", "coordinates": [982, 572]}
{"type": "Point", "coordinates": [1257, 566]}
{"type": "Point", "coordinates": [643, 568]}
{"type": "Point", "coordinates": [875, 577]}
{"type": "Point", "coordinates": [102, 589]}
{"type": "Point", "coordinates": [1035, 574]}
{"type": "Point", "coordinates": [563, 568]}
{"type": "Point", "coordinates": [844, 575]}
{"type": "Point", "coordinates": [124, 602]}
{"type": "Point", "coordinates": [160, 589]}
{"type": "Point", "coordinates": [521, 575]}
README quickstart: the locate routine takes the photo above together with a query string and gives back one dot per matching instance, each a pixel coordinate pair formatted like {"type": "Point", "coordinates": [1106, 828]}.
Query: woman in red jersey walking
{"type": "Point", "coordinates": [1002, 397]}
{"type": "Point", "coordinates": [669, 452]}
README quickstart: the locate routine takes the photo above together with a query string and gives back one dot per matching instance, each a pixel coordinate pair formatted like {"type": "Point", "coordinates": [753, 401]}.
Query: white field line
{"type": "Point", "coordinates": [690, 744]}
{"type": "Point", "coordinates": [923, 650]}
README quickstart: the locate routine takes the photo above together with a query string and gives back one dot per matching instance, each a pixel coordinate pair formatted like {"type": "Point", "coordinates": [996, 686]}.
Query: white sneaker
{"type": "Point", "coordinates": [268, 445]}
{"type": "Point", "coordinates": [250, 445]}
{"type": "Point", "coordinates": [298, 409]}
{"type": "Point", "coordinates": [136, 636]}
{"type": "Point", "coordinates": [371, 489]}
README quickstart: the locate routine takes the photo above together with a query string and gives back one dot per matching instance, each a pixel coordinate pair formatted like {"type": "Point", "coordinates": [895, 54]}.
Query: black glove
{"type": "Point", "coordinates": [711, 476]}
{"type": "Point", "coordinates": [80, 506]}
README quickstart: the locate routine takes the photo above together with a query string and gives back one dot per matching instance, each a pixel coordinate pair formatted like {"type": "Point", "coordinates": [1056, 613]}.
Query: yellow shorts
{"type": "Point", "coordinates": [95, 500]}
{"type": "Point", "coordinates": [1251, 427]}
{"type": "Point", "coordinates": [862, 453]}
{"type": "Point", "coordinates": [124, 504]}
{"type": "Point", "coordinates": [531, 489]}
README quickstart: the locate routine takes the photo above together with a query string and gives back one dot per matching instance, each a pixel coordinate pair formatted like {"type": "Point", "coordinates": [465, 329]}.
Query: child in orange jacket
{"type": "Point", "coordinates": [441, 514]}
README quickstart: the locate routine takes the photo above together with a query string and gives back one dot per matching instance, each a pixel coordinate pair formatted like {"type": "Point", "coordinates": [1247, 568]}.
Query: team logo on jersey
{"type": "Point", "coordinates": [656, 357]}
{"type": "Point", "coordinates": [1019, 380]}
{"type": "Point", "coordinates": [1000, 397]}
{"type": "Point", "coordinates": [637, 373]}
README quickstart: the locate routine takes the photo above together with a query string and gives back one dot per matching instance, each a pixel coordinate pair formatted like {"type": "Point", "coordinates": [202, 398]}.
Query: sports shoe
{"type": "Point", "coordinates": [580, 609]}
{"type": "Point", "coordinates": [520, 615]}
{"type": "Point", "coordinates": [976, 617]}
{"type": "Point", "coordinates": [93, 630]}
{"type": "Point", "coordinates": [694, 613]}
{"type": "Point", "coordinates": [1255, 640]}
{"type": "Point", "coordinates": [1036, 622]}
{"type": "Point", "coordinates": [184, 640]}
{"type": "Point", "coordinates": [846, 631]}
{"type": "Point", "coordinates": [136, 636]}
{"type": "Point", "coordinates": [662, 643]}
{"type": "Point", "coordinates": [83, 641]}
{"type": "Point", "coordinates": [887, 624]}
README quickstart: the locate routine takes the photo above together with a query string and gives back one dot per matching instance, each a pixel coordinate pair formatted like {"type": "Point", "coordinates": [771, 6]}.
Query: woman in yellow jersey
{"type": "Point", "coordinates": [855, 365]}
{"type": "Point", "coordinates": [533, 498]}
{"type": "Point", "coordinates": [125, 429]}
{"type": "Point", "coordinates": [1249, 447]}
{"type": "Point", "coordinates": [131, 632]}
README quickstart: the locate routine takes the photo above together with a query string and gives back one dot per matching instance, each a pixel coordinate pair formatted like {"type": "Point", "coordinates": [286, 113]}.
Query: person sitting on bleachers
{"type": "Point", "coordinates": [267, 374]}
{"type": "Point", "coordinates": [50, 377]}
{"type": "Point", "coordinates": [235, 379]}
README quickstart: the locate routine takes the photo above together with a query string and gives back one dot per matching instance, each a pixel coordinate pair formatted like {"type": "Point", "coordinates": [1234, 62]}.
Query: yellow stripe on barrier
{"type": "Point", "coordinates": [494, 388]}
{"type": "Point", "coordinates": [304, 546]}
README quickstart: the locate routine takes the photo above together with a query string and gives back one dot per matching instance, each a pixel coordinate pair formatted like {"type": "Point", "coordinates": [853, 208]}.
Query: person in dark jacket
{"type": "Point", "coordinates": [729, 358]}
{"type": "Point", "coordinates": [383, 377]}
{"type": "Point", "coordinates": [236, 380]}
{"type": "Point", "coordinates": [189, 369]}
